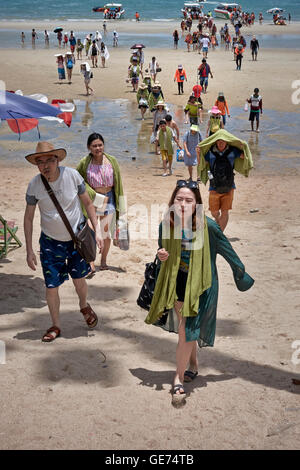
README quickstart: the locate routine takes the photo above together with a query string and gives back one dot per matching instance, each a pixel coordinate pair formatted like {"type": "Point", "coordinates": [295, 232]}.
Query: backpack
{"type": "Point", "coordinates": [222, 171]}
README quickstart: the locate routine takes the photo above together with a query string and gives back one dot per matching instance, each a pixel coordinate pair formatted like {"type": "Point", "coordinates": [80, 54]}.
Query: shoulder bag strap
{"type": "Point", "coordinates": [59, 208]}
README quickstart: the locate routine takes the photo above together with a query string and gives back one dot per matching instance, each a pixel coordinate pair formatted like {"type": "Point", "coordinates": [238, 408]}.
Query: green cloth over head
{"type": "Point", "coordinates": [242, 166]}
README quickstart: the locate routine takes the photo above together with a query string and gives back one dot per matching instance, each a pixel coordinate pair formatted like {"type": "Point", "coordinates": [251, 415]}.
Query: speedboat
{"type": "Point", "coordinates": [192, 9]}
{"type": "Point", "coordinates": [225, 10]}
{"type": "Point", "coordinates": [111, 10]}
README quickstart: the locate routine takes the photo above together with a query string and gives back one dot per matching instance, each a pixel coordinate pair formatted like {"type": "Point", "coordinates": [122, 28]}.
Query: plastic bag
{"type": "Point", "coordinates": [153, 138]}
{"type": "Point", "coordinates": [179, 155]}
{"type": "Point", "coordinates": [246, 107]}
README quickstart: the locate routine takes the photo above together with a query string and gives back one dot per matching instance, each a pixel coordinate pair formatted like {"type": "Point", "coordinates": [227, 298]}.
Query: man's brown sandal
{"type": "Point", "coordinates": [48, 337]}
{"type": "Point", "coordinates": [89, 316]}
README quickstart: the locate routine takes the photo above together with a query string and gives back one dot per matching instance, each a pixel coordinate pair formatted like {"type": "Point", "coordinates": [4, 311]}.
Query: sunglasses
{"type": "Point", "coordinates": [187, 184]}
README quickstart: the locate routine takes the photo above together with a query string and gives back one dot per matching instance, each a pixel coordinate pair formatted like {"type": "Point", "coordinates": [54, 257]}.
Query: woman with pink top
{"type": "Point", "coordinates": [101, 174]}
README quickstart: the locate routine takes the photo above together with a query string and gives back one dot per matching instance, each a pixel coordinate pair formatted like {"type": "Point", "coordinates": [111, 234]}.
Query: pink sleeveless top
{"type": "Point", "coordinates": [100, 175]}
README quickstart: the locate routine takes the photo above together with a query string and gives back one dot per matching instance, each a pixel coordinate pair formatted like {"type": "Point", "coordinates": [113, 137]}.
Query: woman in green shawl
{"type": "Point", "coordinates": [186, 292]}
{"type": "Point", "coordinates": [102, 176]}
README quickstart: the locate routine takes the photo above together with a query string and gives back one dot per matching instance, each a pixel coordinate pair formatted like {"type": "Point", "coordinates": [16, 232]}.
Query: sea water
{"type": "Point", "coordinates": [154, 10]}
{"type": "Point", "coordinates": [127, 137]}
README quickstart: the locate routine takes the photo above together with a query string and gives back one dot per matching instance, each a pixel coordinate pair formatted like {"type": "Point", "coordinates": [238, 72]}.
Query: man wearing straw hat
{"type": "Point", "coordinates": [57, 253]}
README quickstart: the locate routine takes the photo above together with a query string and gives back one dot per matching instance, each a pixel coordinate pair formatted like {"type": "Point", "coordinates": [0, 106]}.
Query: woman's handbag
{"type": "Point", "coordinates": [158, 69]}
{"type": "Point", "coordinates": [84, 241]}
{"type": "Point", "coordinates": [146, 294]}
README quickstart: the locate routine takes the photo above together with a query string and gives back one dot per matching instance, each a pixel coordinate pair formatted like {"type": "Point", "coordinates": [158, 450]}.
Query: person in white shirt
{"type": "Point", "coordinates": [58, 256]}
{"type": "Point", "coordinates": [205, 45]}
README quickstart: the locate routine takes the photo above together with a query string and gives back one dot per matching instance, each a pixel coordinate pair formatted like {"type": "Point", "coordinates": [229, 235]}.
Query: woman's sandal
{"type": "Point", "coordinates": [89, 316]}
{"type": "Point", "coordinates": [189, 375]}
{"type": "Point", "coordinates": [48, 336]}
{"type": "Point", "coordinates": [178, 397]}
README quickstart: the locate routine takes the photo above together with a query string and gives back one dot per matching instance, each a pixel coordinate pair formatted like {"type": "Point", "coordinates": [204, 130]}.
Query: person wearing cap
{"type": "Point", "coordinates": [60, 67]}
{"type": "Point", "coordinates": [205, 42]}
{"type": "Point", "coordinates": [255, 101]}
{"type": "Point", "coordinates": [69, 61]}
{"type": "Point", "coordinates": [153, 66]}
{"type": "Point", "coordinates": [155, 96]}
{"type": "Point", "coordinates": [59, 258]}
{"type": "Point", "coordinates": [134, 72]}
{"type": "Point", "coordinates": [79, 47]}
{"type": "Point", "coordinates": [215, 122]}
{"type": "Point", "coordinates": [142, 97]}
{"type": "Point", "coordinates": [204, 71]}
{"type": "Point", "coordinates": [115, 38]}
{"type": "Point", "coordinates": [72, 41]}
{"type": "Point", "coordinates": [221, 103]}
{"type": "Point", "coordinates": [254, 46]}
{"type": "Point", "coordinates": [93, 53]}
{"type": "Point", "coordinates": [191, 139]}
{"type": "Point", "coordinates": [165, 139]}
{"type": "Point", "coordinates": [147, 80]}
{"type": "Point", "coordinates": [239, 56]}
{"type": "Point", "coordinates": [85, 69]}
{"type": "Point", "coordinates": [159, 114]}
{"type": "Point", "coordinates": [179, 77]}
{"type": "Point", "coordinates": [193, 110]}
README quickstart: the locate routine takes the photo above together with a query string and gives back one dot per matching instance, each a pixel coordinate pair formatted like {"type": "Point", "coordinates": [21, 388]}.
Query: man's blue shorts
{"type": "Point", "coordinates": [59, 259]}
{"type": "Point", "coordinates": [203, 81]}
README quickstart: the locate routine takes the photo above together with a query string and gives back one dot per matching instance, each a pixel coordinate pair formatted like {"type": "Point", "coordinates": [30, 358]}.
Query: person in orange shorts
{"type": "Point", "coordinates": [220, 159]}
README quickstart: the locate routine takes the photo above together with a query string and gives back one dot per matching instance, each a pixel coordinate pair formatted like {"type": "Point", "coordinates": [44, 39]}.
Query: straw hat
{"type": "Point", "coordinates": [214, 110]}
{"type": "Point", "coordinates": [59, 55]}
{"type": "Point", "coordinates": [143, 86]}
{"type": "Point", "coordinates": [160, 103]}
{"type": "Point", "coordinates": [45, 148]}
{"type": "Point", "coordinates": [156, 85]}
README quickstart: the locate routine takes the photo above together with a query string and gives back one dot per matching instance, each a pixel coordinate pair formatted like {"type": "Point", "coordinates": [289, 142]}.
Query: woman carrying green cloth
{"type": "Point", "coordinates": [186, 292]}
{"type": "Point", "coordinates": [102, 176]}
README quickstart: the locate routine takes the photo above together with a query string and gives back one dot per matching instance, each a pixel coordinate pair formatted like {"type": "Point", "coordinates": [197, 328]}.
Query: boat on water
{"type": "Point", "coordinates": [225, 10]}
{"type": "Point", "coordinates": [192, 9]}
{"type": "Point", "coordinates": [111, 11]}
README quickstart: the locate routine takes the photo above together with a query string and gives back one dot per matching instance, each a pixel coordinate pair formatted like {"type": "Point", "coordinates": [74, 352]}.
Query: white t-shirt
{"type": "Point", "coordinates": [66, 188]}
{"type": "Point", "coordinates": [205, 42]}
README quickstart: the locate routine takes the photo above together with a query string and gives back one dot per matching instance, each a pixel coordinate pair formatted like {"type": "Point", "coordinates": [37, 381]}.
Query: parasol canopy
{"type": "Point", "coordinates": [138, 46]}
{"type": "Point", "coordinates": [22, 112]}
{"type": "Point", "coordinates": [56, 30]}
{"type": "Point", "coordinates": [275, 10]}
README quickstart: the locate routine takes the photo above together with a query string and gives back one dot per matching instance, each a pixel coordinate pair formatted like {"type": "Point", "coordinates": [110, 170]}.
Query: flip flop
{"type": "Point", "coordinates": [103, 268]}
{"type": "Point", "coordinates": [89, 316]}
{"type": "Point", "coordinates": [48, 337]}
{"type": "Point", "coordinates": [178, 398]}
{"type": "Point", "coordinates": [189, 375]}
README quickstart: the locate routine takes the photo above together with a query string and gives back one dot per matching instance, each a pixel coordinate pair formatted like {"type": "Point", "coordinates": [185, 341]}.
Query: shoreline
{"type": "Point", "coordinates": [143, 26]}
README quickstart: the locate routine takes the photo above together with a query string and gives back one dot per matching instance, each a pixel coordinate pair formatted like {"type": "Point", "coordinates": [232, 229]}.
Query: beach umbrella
{"type": "Point", "coordinates": [22, 113]}
{"type": "Point", "coordinates": [56, 30]}
{"type": "Point", "coordinates": [138, 46]}
{"type": "Point", "coordinates": [274, 10]}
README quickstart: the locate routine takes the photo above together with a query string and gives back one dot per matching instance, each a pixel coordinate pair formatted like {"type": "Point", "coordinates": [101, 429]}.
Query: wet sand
{"type": "Point", "coordinates": [110, 388]}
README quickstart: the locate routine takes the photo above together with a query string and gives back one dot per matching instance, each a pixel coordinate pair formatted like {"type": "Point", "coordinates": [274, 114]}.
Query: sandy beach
{"type": "Point", "coordinates": [110, 388]}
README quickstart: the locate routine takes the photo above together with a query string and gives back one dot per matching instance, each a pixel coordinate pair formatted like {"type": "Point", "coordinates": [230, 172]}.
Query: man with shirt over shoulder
{"type": "Point", "coordinates": [58, 256]}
